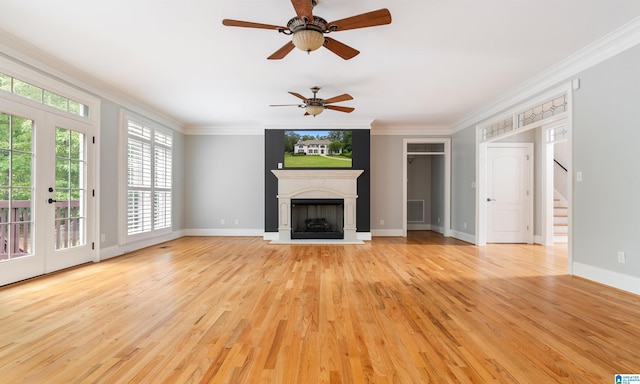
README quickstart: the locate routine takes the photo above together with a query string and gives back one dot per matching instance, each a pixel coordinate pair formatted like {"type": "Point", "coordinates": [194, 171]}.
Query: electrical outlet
{"type": "Point", "coordinates": [381, 221]}
{"type": "Point", "coordinates": [237, 221]}
{"type": "Point", "coordinates": [621, 257]}
{"type": "Point", "coordinates": [222, 221]}
{"type": "Point", "coordinates": [464, 224]}
{"type": "Point", "coordinates": [103, 237]}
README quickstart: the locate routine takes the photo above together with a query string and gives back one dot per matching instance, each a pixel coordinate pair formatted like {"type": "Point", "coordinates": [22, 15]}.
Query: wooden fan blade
{"type": "Point", "coordinates": [248, 24]}
{"type": "Point", "coordinates": [299, 96]}
{"type": "Point", "coordinates": [282, 52]}
{"type": "Point", "coordinates": [343, 97]}
{"type": "Point", "coordinates": [369, 19]}
{"type": "Point", "coordinates": [340, 49]}
{"type": "Point", "coordinates": [341, 109]}
{"type": "Point", "coordinates": [303, 8]}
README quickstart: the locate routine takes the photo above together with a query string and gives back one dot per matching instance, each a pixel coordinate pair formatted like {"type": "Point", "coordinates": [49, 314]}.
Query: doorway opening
{"type": "Point", "coordinates": [548, 121]}
{"type": "Point", "coordinates": [426, 186]}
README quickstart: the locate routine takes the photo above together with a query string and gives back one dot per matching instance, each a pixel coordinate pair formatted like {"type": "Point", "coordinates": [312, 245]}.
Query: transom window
{"type": "Point", "coordinates": [41, 95]}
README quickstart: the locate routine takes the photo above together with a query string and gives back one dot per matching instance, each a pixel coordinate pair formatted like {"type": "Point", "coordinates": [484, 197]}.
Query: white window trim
{"type": "Point", "coordinates": [125, 238]}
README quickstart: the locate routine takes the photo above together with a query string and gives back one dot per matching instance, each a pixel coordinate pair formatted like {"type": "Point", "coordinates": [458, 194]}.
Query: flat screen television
{"type": "Point", "coordinates": [315, 148]}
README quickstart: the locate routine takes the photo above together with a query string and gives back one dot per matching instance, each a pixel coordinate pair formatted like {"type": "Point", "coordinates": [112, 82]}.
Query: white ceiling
{"type": "Point", "coordinates": [438, 61]}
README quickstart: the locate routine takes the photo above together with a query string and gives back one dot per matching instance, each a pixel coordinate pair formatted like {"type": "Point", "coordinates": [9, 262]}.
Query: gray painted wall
{"type": "Point", "coordinates": [224, 180]}
{"type": "Point", "coordinates": [463, 174]}
{"type": "Point", "coordinates": [437, 191]}
{"type": "Point", "coordinates": [109, 128]}
{"type": "Point", "coordinates": [386, 182]}
{"type": "Point", "coordinates": [606, 136]}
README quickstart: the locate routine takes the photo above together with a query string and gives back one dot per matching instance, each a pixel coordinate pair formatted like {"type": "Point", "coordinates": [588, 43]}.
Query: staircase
{"type": "Point", "coordinates": [560, 220]}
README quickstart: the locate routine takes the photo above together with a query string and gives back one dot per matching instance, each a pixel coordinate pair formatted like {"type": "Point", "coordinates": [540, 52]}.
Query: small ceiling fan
{"type": "Point", "coordinates": [314, 106]}
{"type": "Point", "coordinates": [308, 31]}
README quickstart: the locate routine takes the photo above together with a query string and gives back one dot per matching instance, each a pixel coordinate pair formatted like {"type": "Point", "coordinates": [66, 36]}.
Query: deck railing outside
{"type": "Point", "coordinates": [16, 227]}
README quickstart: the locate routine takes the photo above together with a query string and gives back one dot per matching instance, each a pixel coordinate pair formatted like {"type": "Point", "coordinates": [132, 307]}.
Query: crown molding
{"type": "Point", "coordinates": [319, 123]}
{"type": "Point", "coordinates": [432, 130]}
{"type": "Point", "coordinates": [225, 131]}
{"type": "Point", "coordinates": [287, 123]}
{"type": "Point", "coordinates": [612, 44]}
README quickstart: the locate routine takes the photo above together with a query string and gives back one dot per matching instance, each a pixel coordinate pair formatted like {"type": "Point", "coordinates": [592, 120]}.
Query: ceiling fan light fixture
{"type": "Point", "coordinates": [308, 40]}
{"type": "Point", "coordinates": [314, 110]}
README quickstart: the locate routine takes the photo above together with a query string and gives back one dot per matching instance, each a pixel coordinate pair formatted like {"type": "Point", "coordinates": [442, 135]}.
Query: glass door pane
{"type": "Point", "coordinates": [16, 164]}
{"type": "Point", "coordinates": [70, 189]}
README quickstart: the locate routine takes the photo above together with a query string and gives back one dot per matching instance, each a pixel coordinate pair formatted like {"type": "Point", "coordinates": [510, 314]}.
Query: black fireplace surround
{"type": "Point", "coordinates": [274, 158]}
{"type": "Point", "coordinates": [317, 218]}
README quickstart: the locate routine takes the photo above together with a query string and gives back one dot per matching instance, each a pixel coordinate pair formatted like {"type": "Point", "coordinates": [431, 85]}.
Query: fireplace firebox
{"type": "Point", "coordinates": [317, 218]}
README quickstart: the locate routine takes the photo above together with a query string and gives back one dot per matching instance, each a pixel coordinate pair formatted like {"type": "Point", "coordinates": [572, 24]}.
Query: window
{"type": "Point", "coordinates": [149, 162]}
{"type": "Point", "coordinates": [41, 95]}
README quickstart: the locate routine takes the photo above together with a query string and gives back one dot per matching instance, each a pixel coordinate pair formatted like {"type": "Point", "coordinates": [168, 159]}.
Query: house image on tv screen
{"type": "Point", "coordinates": [315, 147]}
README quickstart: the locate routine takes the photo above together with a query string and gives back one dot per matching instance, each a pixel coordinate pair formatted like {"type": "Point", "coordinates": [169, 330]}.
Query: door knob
{"type": "Point", "coordinates": [51, 201]}
{"type": "Point", "coordinates": [490, 199]}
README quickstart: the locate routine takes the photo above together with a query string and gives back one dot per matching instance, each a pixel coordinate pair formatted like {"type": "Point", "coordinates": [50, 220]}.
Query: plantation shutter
{"type": "Point", "coordinates": [148, 179]}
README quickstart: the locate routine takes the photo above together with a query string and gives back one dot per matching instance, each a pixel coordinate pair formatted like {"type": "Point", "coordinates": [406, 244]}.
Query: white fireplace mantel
{"type": "Point", "coordinates": [317, 184]}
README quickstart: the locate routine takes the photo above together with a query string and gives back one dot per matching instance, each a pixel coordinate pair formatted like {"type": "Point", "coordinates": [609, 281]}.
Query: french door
{"type": "Point", "coordinates": [46, 190]}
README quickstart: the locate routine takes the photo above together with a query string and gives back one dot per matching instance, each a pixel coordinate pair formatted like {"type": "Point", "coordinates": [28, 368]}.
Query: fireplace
{"type": "Point", "coordinates": [317, 218]}
{"type": "Point", "coordinates": [323, 188]}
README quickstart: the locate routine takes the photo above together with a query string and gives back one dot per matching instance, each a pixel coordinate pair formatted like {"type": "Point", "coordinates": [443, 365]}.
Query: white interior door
{"type": "Point", "coordinates": [43, 156]}
{"type": "Point", "coordinates": [509, 193]}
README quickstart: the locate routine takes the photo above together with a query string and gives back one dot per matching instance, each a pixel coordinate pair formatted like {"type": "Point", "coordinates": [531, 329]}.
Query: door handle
{"type": "Point", "coordinates": [51, 201]}
{"type": "Point", "coordinates": [490, 199]}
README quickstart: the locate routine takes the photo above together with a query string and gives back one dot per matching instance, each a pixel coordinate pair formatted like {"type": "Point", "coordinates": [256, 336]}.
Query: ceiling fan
{"type": "Point", "coordinates": [308, 31]}
{"type": "Point", "coordinates": [314, 106]}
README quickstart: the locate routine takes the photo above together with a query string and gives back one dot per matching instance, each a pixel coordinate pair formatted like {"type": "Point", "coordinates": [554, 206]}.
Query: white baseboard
{"type": "Point", "coordinates": [224, 232]}
{"type": "Point", "coordinates": [386, 232]}
{"type": "Point", "coordinates": [270, 236]}
{"type": "Point", "coordinates": [606, 277]}
{"type": "Point", "coordinates": [117, 250]}
{"type": "Point", "coordinates": [437, 228]}
{"type": "Point", "coordinates": [561, 239]}
{"type": "Point", "coordinates": [365, 236]}
{"type": "Point", "coordinates": [463, 236]}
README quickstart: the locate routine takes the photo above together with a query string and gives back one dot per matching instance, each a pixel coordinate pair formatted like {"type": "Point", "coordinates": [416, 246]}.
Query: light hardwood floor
{"type": "Point", "coordinates": [421, 309]}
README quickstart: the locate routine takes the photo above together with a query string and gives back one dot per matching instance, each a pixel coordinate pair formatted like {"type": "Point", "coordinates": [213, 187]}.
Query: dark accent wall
{"type": "Point", "coordinates": [274, 154]}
